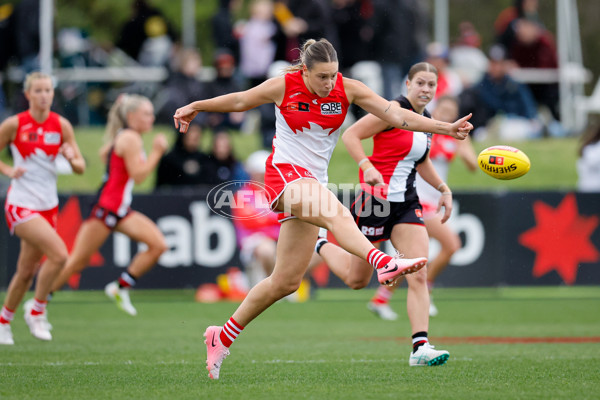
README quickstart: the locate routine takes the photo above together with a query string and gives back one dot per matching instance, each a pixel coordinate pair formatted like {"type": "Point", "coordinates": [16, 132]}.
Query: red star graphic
{"type": "Point", "coordinates": [69, 219]}
{"type": "Point", "coordinates": [561, 239]}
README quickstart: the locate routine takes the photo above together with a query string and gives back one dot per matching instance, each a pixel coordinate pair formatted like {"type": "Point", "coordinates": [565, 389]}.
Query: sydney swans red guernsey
{"type": "Point", "coordinates": [35, 148]}
{"type": "Point", "coordinates": [308, 126]}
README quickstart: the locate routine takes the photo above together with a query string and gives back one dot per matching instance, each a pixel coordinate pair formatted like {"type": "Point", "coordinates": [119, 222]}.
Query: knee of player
{"type": "Point", "coordinates": [455, 244]}
{"type": "Point", "coordinates": [286, 287]}
{"type": "Point", "coordinates": [158, 247]}
{"type": "Point", "coordinates": [26, 274]}
{"type": "Point", "coordinates": [419, 277]}
{"type": "Point", "coordinates": [358, 284]}
{"type": "Point", "coordinates": [59, 257]}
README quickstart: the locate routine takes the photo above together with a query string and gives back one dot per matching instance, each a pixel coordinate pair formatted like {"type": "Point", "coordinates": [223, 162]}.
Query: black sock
{"type": "Point", "coordinates": [126, 280]}
{"type": "Point", "coordinates": [419, 339]}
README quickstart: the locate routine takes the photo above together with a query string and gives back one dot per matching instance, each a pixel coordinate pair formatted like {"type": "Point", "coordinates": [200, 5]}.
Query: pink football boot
{"type": "Point", "coordinates": [215, 351]}
{"type": "Point", "coordinates": [398, 267]}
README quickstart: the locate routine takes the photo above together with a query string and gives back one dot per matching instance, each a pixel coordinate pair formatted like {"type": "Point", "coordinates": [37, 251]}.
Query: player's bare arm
{"type": "Point", "coordinates": [270, 91]}
{"type": "Point", "coordinates": [8, 130]}
{"type": "Point", "coordinates": [365, 128]}
{"type": "Point", "coordinates": [70, 149]}
{"type": "Point", "coordinates": [391, 112]}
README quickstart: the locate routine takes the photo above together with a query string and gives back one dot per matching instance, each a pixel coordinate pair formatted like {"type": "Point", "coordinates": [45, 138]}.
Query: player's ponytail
{"type": "Point", "coordinates": [117, 115]}
{"type": "Point", "coordinates": [312, 52]}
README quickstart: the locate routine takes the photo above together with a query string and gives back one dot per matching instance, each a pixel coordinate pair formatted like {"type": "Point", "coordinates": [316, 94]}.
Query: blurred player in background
{"type": "Point", "coordinates": [442, 153]}
{"type": "Point", "coordinates": [388, 208]}
{"type": "Point", "coordinates": [129, 118]}
{"type": "Point", "coordinates": [588, 163]}
{"type": "Point", "coordinates": [257, 227]}
{"type": "Point", "coordinates": [312, 101]}
{"type": "Point", "coordinates": [36, 137]}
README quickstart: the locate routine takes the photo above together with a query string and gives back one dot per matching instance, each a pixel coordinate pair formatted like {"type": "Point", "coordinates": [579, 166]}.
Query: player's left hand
{"type": "Point", "coordinates": [160, 143]}
{"type": "Point", "coordinates": [446, 202]}
{"type": "Point", "coordinates": [67, 151]}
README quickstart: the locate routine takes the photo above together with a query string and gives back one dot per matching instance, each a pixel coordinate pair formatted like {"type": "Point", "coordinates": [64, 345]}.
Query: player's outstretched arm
{"type": "Point", "coordinates": [270, 91]}
{"type": "Point", "coordinates": [391, 112]}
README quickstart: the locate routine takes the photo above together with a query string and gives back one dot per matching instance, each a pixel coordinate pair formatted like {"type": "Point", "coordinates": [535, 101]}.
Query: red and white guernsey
{"type": "Point", "coordinates": [35, 148]}
{"type": "Point", "coordinates": [443, 150]}
{"type": "Point", "coordinates": [396, 152]}
{"type": "Point", "coordinates": [115, 193]}
{"type": "Point", "coordinates": [308, 126]}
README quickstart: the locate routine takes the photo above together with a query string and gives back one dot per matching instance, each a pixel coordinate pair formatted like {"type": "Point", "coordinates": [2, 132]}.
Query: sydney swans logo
{"type": "Point", "coordinates": [240, 200]}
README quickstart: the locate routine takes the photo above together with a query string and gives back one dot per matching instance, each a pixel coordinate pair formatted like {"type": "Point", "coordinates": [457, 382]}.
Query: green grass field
{"type": "Point", "coordinates": [328, 348]}
{"type": "Point", "coordinates": [553, 164]}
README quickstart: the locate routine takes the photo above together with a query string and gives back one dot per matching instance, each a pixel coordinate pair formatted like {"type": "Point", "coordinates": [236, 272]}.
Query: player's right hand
{"type": "Point", "coordinates": [16, 173]}
{"type": "Point", "coordinates": [183, 116]}
{"type": "Point", "coordinates": [160, 143]}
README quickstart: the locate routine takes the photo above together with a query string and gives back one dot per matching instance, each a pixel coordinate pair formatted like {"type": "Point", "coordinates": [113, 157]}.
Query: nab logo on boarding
{"type": "Point", "coordinates": [331, 108]}
{"type": "Point", "coordinates": [496, 160]}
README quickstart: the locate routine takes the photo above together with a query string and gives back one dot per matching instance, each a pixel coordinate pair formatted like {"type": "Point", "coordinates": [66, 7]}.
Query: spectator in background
{"type": "Point", "coordinates": [223, 33]}
{"type": "Point", "coordinates": [27, 34]}
{"type": "Point", "coordinates": [534, 47]}
{"type": "Point", "coordinates": [257, 46]}
{"type": "Point", "coordinates": [147, 36]}
{"type": "Point", "coordinates": [588, 164]}
{"type": "Point", "coordinates": [449, 82]}
{"type": "Point", "coordinates": [350, 19]}
{"type": "Point", "coordinates": [223, 83]}
{"type": "Point", "coordinates": [399, 35]}
{"type": "Point", "coordinates": [186, 165]}
{"type": "Point", "coordinates": [301, 20]}
{"type": "Point", "coordinates": [466, 57]}
{"type": "Point", "coordinates": [7, 51]}
{"type": "Point", "coordinates": [504, 25]}
{"type": "Point", "coordinates": [182, 86]}
{"type": "Point", "coordinates": [228, 168]}
{"type": "Point", "coordinates": [499, 97]}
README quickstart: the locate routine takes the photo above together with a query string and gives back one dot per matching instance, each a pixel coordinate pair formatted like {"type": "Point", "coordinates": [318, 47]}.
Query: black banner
{"type": "Point", "coordinates": [541, 238]}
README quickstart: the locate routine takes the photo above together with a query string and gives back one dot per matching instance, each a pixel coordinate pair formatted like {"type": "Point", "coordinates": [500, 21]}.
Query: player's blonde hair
{"type": "Point", "coordinates": [34, 76]}
{"type": "Point", "coordinates": [314, 51]}
{"type": "Point", "coordinates": [117, 115]}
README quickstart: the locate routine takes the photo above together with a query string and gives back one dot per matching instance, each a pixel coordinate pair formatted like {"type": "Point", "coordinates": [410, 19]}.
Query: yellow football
{"type": "Point", "coordinates": [503, 162]}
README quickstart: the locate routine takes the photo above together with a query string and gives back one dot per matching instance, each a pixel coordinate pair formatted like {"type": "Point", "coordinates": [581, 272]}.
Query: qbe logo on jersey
{"type": "Point", "coordinates": [331, 108]}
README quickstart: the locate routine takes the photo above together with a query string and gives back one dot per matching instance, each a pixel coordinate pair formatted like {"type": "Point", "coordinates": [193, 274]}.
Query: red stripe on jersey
{"type": "Point", "coordinates": [389, 148]}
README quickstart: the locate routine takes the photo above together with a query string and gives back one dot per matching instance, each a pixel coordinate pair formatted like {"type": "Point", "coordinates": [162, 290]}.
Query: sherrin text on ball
{"type": "Point", "coordinates": [503, 162]}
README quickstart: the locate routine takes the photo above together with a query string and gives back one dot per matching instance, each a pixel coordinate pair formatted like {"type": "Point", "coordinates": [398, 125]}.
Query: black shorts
{"type": "Point", "coordinates": [108, 218]}
{"type": "Point", "coordinates": [377, 217]}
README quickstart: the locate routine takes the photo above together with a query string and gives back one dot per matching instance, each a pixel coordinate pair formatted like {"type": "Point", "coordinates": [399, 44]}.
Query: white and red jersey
{"type": "Point", "coordinates": [396, 153]}
{"type": "Point", "coordinates": [308, 126]}
{"type": "Point", "coordinates": [34, 148]}
{"type": "Point", "coordinates": [443, 150]}
{"type": "Point", "coordinates": [115, 193]}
